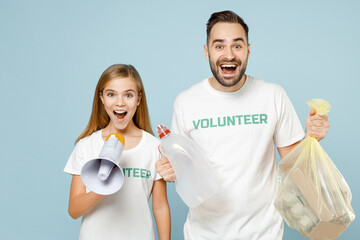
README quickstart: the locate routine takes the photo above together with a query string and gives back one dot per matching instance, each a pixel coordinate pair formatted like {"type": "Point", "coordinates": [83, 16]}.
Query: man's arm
{"type": "Point", "coordinates": [283, 151]}
{"type": "Point", "coordinates": [317, 126]}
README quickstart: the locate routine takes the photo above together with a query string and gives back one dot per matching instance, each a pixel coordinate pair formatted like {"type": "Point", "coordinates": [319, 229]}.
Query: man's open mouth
{"type": "Point", "coordinates": [228, 68]}
{"type": "Point", "coordinates": [120, 114]}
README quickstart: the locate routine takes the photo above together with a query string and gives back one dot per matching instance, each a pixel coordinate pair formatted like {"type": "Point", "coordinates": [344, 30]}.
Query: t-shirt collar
{"type": "Point", "coordinates": [226, 94]}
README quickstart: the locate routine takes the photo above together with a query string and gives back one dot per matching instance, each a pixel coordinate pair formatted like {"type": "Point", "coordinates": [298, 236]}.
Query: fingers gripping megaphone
{"type": "Point", "coordinates": [103, 175]}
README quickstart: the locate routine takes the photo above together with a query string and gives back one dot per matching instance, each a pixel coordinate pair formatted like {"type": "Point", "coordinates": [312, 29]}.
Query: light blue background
{"type": "Point", "coordinates": [53, 52]}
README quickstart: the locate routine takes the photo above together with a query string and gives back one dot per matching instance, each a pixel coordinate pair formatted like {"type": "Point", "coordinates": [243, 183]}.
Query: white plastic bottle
{"type": "Point", "coordinates": [196, 180]}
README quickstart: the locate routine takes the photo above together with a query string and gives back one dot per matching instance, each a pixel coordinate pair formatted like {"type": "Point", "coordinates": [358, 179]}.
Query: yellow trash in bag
{"type": "Point", "coordinates": [313, 197]}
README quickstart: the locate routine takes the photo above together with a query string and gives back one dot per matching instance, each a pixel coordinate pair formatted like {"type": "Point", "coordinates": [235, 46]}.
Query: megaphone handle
{"type": "Point", "coordinates": [105, 169]}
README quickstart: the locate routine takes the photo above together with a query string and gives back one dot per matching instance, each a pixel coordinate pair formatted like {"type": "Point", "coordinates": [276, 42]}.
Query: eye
{"type": "Point", "coordinates": [110, 94]}
{"type": "Point", "coordinates": [128, 95]}
{"type": "Point", "coordinates": [219, 47]}
{"type": "Point", "coordinates": [237, 46]}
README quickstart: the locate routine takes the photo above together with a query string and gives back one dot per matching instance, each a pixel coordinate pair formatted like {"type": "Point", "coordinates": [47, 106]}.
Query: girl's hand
{"type": "Point", "coordinates": [164, 168]}
{"type": "Point", "coordinates": [81, 202]}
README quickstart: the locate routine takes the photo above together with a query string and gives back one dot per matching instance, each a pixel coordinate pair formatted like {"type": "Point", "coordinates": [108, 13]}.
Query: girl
{"type": "Point", "coordinates": [119, 106]}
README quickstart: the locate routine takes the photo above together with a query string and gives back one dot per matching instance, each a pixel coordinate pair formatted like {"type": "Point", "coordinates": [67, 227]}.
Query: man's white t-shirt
{"type": "Point", "coordinates": [238, 132]}
{"type": "Point", "coordinates": [126, 213]}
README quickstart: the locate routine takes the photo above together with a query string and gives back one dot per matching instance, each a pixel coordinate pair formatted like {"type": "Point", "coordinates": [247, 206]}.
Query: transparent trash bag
{"type": "Point", "coordinates": [313, 197]}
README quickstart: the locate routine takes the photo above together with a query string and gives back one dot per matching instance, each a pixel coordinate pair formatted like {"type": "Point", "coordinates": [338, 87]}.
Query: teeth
{"type": "Point", "coordinates": [228, 65]}
{"type": "Point", "coordinates": [120, 112]}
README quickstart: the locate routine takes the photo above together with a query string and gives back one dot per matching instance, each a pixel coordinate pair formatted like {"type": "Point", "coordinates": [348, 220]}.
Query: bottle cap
{"type": "Point", "coordinates": [162, 131]}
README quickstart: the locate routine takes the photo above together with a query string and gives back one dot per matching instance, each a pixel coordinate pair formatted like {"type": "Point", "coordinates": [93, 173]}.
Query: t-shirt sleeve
{"type": "Point", "coordinates": [75, 161]}
{"type": "Point", "coordinates": [288, 128]}
{"type": "Point", "coordinates": [177, 123]}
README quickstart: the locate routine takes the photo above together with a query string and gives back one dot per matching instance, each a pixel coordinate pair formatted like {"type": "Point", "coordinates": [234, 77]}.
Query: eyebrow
{"type": "Point", "coordinates": [108, 90]}
{"type": "Point", "coordinates": [127, 90]}
{"type": "Point", "coordinates": [222, 40]}
{"type": "Point", "coordinates": [130, 90]}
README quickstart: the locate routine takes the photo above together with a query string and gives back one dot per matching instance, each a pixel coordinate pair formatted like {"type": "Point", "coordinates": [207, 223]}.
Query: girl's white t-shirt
{"type": "Point", "coordinates": [126, 213]}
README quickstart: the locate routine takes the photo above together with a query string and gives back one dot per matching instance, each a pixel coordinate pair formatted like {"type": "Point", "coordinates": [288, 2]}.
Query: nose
{"type": "Point", "coordinates": [120, 101]}
{"type": "Point", "coordinates": [229, 54]}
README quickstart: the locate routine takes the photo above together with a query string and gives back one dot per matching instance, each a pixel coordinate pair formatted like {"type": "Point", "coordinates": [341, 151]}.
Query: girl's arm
{"type": "Point", "coordinates": [81, 202]}
{"type": "Point", "coordinates": [161, 209]}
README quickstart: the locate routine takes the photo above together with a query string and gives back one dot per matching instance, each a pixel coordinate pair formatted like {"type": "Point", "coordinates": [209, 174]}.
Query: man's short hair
{"type": "Point", "coordinates": [225, 16]}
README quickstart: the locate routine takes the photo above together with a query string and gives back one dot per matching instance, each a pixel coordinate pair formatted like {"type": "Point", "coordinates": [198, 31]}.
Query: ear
{"type": "Point", "coordinates": [206, 51]}
{"type": "Point", "coordinates": [101, 97]}
{"type": "Point", "coordinates": [248, 49]}
{"type": "Point", "coordinates": [139, 99]}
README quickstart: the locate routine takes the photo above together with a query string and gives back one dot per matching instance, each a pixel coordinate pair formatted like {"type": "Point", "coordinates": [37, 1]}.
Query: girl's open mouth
{"type": "Point", "coordinates": [120, 114]}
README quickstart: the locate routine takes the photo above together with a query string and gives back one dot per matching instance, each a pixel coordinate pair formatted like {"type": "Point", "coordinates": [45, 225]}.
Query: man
{"type": "Point", "coordinates": [237, 121]}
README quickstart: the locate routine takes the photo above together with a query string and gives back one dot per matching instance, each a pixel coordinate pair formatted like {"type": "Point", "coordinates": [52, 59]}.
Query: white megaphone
{"type": "Point", "coordinates": [103, 175]}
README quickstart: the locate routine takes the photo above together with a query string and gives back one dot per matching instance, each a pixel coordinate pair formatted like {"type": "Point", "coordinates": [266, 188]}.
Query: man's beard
{"type": "Point", "coordinates": [214, 70]}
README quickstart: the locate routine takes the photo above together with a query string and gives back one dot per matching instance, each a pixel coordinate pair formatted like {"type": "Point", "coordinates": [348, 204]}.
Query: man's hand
{"type": "Point", "coordinates": [317, 126]}
{"type": "Point", "coordinates": [164, 168]}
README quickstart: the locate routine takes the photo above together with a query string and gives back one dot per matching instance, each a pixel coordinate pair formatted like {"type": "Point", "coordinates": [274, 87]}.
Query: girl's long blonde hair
{"type": "Point", "coordinates": [99, 119]}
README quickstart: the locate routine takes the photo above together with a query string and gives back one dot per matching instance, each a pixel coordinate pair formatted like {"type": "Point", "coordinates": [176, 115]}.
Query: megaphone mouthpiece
{"type": "Point", "coordinates": [118, 136]}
